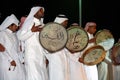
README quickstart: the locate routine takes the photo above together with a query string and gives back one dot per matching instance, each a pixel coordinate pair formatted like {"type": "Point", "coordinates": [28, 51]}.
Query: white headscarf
{"type": "Point", "coordinates": [28, 23]}
{"type": "Point", "coordinates": [8, 21]}
{"type": "Point", "coordinates": [60, 18]}
{"type": "Point", "coordinates": [74, 24]}
{"type": "Point", "coordinates": [88, 24]}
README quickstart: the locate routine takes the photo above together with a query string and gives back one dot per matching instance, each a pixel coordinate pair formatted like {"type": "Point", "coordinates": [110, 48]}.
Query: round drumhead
{"type": "Point", "coordinates": [77, 38]}
{"type": "Point", "coordinates": [93, 55]}
{"type": "Point", "coordinates": [105, 39]}
{"type": "Point", "coordinates": [115, 54]}
{"type": "Point", "coordinates": [53, 37]}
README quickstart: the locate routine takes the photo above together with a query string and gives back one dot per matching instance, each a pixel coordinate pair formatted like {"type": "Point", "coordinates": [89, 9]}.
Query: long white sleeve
{"type": "Point", "coordinates": [24, 34]}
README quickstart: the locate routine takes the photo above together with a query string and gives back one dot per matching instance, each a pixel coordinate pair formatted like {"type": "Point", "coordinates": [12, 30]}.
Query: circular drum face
{"type": "Point", "coordinates": [77, 38]}
{"type": "Point", "coordinates": [105, 39]}
{"type": "Point", "coordinates": [53, 37]}
{"type": "Point", "coordinates": [94, 55]}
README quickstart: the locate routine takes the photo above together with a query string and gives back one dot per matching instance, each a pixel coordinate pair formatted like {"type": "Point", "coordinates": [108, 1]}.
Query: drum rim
{"type": "Point", "coordinates": [57, 49]}
{"type": "Point", "coordinates": [71, 27]}
{"type": "Point", "coordinates": [90, 49]}
{"type": "Point", "coordinates": [96, 35]}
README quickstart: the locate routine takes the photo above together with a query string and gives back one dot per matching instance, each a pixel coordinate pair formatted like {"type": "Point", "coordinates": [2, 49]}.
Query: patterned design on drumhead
{"type": "Point", "coordinates": [94, 55]}
{"type": "Point", "coordinates": [77, 38]}
{"type": "Point", "coordinates": [53, 36]}
{"type": "Point", "coordinates": [105, 39]}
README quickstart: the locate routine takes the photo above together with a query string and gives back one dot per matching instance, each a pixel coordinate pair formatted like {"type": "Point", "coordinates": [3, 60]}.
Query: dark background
{"type": "Point", "coordinates": [103, 12]}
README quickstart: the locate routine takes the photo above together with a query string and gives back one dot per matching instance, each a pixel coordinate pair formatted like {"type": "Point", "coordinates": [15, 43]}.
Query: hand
{"type": "Point", "coordinates": [13, 63]}
{"type": "Point", "coordinates": [2, 48]}
{"type": "Point", "coordinates": [81, 60]}
{"type": "Point", "coordinates": [92, 40]}
{"type": "Point", "coordinates": [36, 28]}
{"type": "Point", "coordinates": [72, 52]}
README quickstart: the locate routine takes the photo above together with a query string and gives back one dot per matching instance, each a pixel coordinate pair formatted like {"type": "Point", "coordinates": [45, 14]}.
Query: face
{"type": "Point", "coordinates": [65, 23]}
{"type": "Point", "coordinates": [40, 13]}
{"type": "Point", "coordinates": [92, 29]}
{"type": "Point", "coordinates": [13, 27]}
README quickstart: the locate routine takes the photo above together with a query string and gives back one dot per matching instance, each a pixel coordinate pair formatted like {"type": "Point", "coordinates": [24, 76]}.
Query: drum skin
{"type": "Point", "coordinates": [53, 37]}
{"type": "Point", "coordinates": [105, 39]}
{"type": "Point", "coordinates": [93, 55]}
{"type": "Point", "coordinates": [77, 39]}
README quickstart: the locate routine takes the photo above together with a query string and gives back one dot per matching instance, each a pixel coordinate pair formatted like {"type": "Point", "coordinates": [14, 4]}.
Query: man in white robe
{"type": "Point", "coordinates": [91, 71]}
{"type": "Point", "coordinates": [116, 68]}
{"type": "Point", "coordinates": [35, 60]}
{"type": "Point", "coordinates": [10, 65]}
{"type": "Point", "coordinates": [77, 70]}
{"type": "Point", "coordinates": [113, 71]}
{"type": "Point", "coordinates": [58, 66]}
{"type": "Point", "coordinates": [22, 43]}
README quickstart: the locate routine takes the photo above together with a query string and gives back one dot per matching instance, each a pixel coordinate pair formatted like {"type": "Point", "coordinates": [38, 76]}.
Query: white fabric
{"type": "Point", "coordinates": [91, 71]}
{"type": "Point", "coordinates": [28, 23]}
{"type": "Point", "coordinates": [35, 60]}
{"type": "Point", "coordinates": [22, 50]}
{"type": "Point", "coordinates": [103, 68]}
{"type": "Point", "coordinates": [3, 23]}
{"type": "Point", "coordinates": [58, 66]}
{"type": "Point", "coordinates": [60, 19]}
{"type": "Point", "coordinates": [30, 17]}
{"type": "Point", "coordinates": [116, 72]}
{"type": "Point", "coordinates": [102, 71]}
{"type": "Point", "coordinates": [77, 70]}
{"type": "Point", "coordinates": [10, 42]}
{"type": "Point", "coordinates": [8, 21]}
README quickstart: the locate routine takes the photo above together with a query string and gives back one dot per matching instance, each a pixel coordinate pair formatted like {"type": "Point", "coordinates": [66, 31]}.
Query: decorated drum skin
{"type": "Point", "coordinates": [115, 54]}
{"type": "Point", "coordinates": [93, 55]}
{"type": "Point", "coordinates": [53, 37]}
{"type": "Point", "coordinates": [77, 39]}
{"type": "Point", "coordinates": [105, 39]}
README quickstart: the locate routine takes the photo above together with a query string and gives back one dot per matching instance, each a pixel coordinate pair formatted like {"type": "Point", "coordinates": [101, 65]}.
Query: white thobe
{"type": "Point", "coordinates": [103, 68]}
{"type": "Point", "coordinates": [58, 66]}
{"type": "Point", "coordinates": [10, 42]}
{"type": "Point", "coordinates": [22, 54]}
{"type": "Point", "coordinates": [91, 71]}
{"type": "Point", "coordinates": [35, 60]}
{"type": "Point", "coordinates": [116, 72]}
{"type": "Point", "coordinates": [77, 70]}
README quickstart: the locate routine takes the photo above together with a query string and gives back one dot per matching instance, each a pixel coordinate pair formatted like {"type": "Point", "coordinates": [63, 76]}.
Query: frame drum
{"type": "Point", "coordinates": [105, 39]}
{"type": "Point", "coordinates": [93, 55]}
{"type": "Point", "coordinates": [53, 37]}
{"type": "Point", "coordinates": [77, 39]}
{"type": "Point", "coordinates": [115, 54]}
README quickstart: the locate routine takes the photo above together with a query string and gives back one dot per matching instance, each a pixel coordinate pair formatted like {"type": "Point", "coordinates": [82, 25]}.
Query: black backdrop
{"type": "Point", "coordinates": [103, 12]}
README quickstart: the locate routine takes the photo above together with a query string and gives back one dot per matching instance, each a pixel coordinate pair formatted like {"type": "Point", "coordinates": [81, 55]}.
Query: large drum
{"type": "Point", "coordinates": [115, 54]}
{"type": "Point", "coordinates": [93, 55]}
{"type": "Point", "coordinates": [53, 37]}
{"type": "Point", "coordinates": [105, 39]}
{"type": "Point", "coordinates": [77, 39]}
